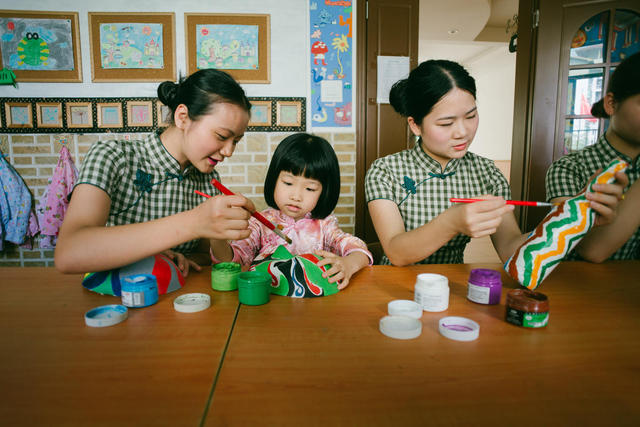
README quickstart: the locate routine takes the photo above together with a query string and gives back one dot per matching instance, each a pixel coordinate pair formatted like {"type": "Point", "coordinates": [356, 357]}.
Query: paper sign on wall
{"type": "Point", "coordinates": [390, 70]}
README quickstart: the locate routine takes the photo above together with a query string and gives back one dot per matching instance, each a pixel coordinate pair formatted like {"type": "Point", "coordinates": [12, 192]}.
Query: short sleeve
{"type": "Point", "coordinates": [564, 179]}
{"type": "Point", "coordinates": [499, 184]}
{"type": "Point", "coordinates": [102, 166]}
{"type": "Point", "coordinates": [378, 182]}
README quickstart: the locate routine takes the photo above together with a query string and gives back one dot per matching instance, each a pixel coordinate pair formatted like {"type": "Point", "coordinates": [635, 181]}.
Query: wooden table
{"type": "Point", "coordinates": [324, 361]}
{"type": "Point", "coordinates": [155, 368]}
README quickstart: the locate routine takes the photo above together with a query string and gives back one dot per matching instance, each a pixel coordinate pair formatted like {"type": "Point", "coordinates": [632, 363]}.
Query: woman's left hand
{"type": "Point", "coordinates": [604, 200]}
{"type": "Point", "coordinates": [183, 263]}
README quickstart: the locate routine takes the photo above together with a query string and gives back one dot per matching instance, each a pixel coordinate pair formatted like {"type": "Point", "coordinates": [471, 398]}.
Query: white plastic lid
{"type": "Point", "coordinates": [459, 328]}
{"type": "Point", "coordinates": [400, 327]}
{"type": "Point", "coordinates": [405, 307]}
{"type": "Point", "coordinates": [106, 315]}
{"type": "Point", "coordinates": [191, 303]}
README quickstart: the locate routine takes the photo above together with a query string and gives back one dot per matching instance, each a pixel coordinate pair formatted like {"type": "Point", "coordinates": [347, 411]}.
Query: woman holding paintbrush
{"type": "Point", "coordinates": [409, 193]}
{"type": "Point", "coordinates": [134, 199]}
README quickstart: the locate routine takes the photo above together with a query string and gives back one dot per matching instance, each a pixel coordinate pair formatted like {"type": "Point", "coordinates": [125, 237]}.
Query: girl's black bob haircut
{"type": "Point", "coordinates": [314, 158]}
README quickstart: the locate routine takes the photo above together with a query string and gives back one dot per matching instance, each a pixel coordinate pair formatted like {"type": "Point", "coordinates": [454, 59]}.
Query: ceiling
{"type": "Point", "coordinates": [466, 20]}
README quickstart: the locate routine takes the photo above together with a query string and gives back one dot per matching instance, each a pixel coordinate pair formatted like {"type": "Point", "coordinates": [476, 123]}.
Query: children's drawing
{"type": "Point", "coordinates": [36, 44]}
{"type": "Point", "coordinates": [110, 115]}
{"type": "Point", "coordinates": [229, 47]}
{"type": "Point", "coordinates": [131, 45]}
{"type": "Point", "coordinates": [50, 115]}
{"type": "Point", "coordinates": [79, 115]}
{"type": "Point", "coordinates": [20, 115]}
{"type": "Point", "coordinates": [331, 63]}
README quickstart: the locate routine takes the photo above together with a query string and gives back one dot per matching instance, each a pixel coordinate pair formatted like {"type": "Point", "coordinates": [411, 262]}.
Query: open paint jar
{"type": "Point", "coordinates": [527, 308]}
{"type": "Point", "coordinates": [224, 276]}
{"type": "Point", "coordinates": [139, 290]}
{"type": "Point", "coordinates": [254, 287]}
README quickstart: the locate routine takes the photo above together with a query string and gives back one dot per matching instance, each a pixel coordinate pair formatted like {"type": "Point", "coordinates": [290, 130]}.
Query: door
{"type": "Point", "coordinates": [548, 121]}
{"type": "Point", "coordinates": [384, 28]}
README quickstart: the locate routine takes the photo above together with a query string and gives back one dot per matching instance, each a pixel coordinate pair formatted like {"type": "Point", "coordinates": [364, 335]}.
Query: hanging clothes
{"type": "Point", "coordinates": [54, 202]}
{"type": "Point", "coordinates": [17, 221]}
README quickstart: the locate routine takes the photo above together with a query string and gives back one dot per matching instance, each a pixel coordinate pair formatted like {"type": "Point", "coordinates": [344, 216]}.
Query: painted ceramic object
{"type": "Point", "coordinates": [295, 276]}
{"type": "Point", "coordinates": [558, 233]}
{"type": "Point", "coordinates": [109, 282]}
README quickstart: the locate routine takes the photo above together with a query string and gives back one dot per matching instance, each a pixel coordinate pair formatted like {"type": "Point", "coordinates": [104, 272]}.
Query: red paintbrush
{"type": "Point", "coordinates": [256, 215]}
{"type": "Point", "coordinates": [509, 202]}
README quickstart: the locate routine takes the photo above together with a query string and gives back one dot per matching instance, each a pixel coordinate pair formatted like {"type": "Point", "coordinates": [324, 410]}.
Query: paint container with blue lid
{"type": "Point", "coordinates": [139, 290]}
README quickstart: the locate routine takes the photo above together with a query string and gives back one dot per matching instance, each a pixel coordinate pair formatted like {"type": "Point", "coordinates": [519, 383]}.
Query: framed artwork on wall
{"type": "Point", "coordinates": [79, 115]}
{"type": "Point", "coordinates": [260, 113]}
{"type": "Point", "coordinates": [132, 46]}
{"type": "Point", "coordinates": [40, 46]}
{"type": "Point", "coordinates": [288, 113]}
{"type": "Point", "coordinates": [18, 115]}
{"type": "Point", "coordinates": [139, 113]}
{"type": "Point", "coordinates": [236, 43]}
{"type": "Point", "coordinates": [49, 114]}
{"type": "Point", "coordinates": [109, 114]}
{"type": "Point", "coordinates": [162, 114]}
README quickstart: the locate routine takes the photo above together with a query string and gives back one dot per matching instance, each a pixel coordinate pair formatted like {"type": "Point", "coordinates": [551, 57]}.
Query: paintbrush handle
{"type": "Point", "coordinates": [509, 202]}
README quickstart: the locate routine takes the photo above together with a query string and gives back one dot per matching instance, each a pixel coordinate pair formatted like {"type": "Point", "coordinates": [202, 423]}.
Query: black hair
{"type": "Point", "coordinates": [624, 83]}
{"type": "Point", "coordinates": [416, 95]}
{"type": "Point", "coordinates": [314, 158]}
{"type": "Point", "coordinates": [201, 91]}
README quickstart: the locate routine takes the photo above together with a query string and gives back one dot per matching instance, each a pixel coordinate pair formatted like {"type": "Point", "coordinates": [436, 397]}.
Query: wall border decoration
{"type": "Point", "coordinates": [55, 51]}
{"type": "Point", "coordinates": [93, 123]}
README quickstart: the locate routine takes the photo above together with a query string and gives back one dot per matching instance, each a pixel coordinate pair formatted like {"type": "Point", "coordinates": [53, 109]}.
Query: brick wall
{"type": "Point", "coordinates": [35, 157]}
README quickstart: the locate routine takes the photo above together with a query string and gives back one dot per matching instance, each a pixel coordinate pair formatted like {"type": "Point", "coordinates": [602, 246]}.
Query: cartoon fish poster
{"type": "Point", "coordinates": [331, 63]}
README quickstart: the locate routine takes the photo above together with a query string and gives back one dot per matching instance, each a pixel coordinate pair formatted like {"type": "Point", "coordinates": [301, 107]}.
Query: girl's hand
{"type": "Point", "coordinates": [224, 217]}
{"type": "Point", "coordinates": [479, 219]}
{"type": "Point", "coordinates": [182, 262]}
{"type": "Point", "coordinates": [604, 200]}
{"type": "Point", "coordinates": [342, 268]}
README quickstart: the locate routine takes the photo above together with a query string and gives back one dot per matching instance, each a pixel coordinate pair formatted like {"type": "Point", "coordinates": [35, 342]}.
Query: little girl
{"type": "Point", "coordinates": [302, 187]}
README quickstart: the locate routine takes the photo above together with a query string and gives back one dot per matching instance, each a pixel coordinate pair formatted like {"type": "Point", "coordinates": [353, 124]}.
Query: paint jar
{"type": "Point", "coordinates": [254, 287]}
{"type": "Point", "coordinates": [139, 290]}
{"type": "Point", "coordinates": [527, 308]}
{"type": "Point", "coordinates": [224, 276]}
{"type": "Point", "coordinates": [432, 292]}
{"type": "Point", "coordinates": [484, 286]}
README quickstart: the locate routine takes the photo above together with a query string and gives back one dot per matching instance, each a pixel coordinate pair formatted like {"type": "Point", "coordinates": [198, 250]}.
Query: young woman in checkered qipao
{"type": "Point", "coordinates": [567, 176]}
{"type": "Point", "coordinates": [408, 192]}
{"type": "Point", "coordinates": [135, 199]}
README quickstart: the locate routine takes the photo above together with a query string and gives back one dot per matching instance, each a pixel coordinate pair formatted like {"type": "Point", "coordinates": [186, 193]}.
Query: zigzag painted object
{"type": "Point", "coordinates": [558, 233]}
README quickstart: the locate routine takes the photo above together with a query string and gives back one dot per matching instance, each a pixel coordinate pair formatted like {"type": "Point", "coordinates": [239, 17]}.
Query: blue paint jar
{"type": "Point", "coordinates": [139, 290]}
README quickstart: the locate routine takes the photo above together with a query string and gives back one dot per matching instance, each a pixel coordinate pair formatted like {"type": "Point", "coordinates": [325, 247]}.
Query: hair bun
{"type": "Point", "coordinates": [167, 92]}
{"type": "Point", "coordinates": [397, 96]}
{"type": "Point", "coordinates": [597, 110]}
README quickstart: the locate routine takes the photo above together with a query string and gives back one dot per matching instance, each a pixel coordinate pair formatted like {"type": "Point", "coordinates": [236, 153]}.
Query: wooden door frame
{"type": "Point", "coordinates": [361, 113]}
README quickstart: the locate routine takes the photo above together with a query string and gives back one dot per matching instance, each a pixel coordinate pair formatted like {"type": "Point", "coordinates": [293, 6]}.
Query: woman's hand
{"type": "Point", "coordinates": [604, 200]}
{"type": "Point", "coordinates": [479, 219]}
{"type": "Point", "coordinates": [224, 217]}
{"type": "Point", "coordinates": [183, 263]}
{"type": "Point", "coordinates": [342, 268]}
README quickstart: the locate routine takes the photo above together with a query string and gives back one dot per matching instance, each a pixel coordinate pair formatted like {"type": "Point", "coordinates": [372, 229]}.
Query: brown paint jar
{"type": "Point", "coordinates": [527, 308]}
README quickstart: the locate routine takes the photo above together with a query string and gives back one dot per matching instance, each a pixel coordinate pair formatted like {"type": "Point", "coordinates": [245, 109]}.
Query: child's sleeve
{"type": "Point", "coordinates": [340, 242]}
{"type": "Point", "coordinates": [246, 250]}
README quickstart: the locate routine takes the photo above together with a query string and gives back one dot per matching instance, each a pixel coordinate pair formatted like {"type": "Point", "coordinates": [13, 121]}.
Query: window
{"type": "Point", "coordinates": [597, 47]}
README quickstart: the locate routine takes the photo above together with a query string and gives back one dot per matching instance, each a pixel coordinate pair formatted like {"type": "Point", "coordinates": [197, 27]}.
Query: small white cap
{"type": "Point", "coordinates": [459, 328]}
{"type": "Point", "coordinates": [191, 303]}
{"type": "Point", "coordinates": [405, 307]}
{"type": "Point", "coordinates": [106, 315]}
{"type": "Point", "coordinates": [400, 327]}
